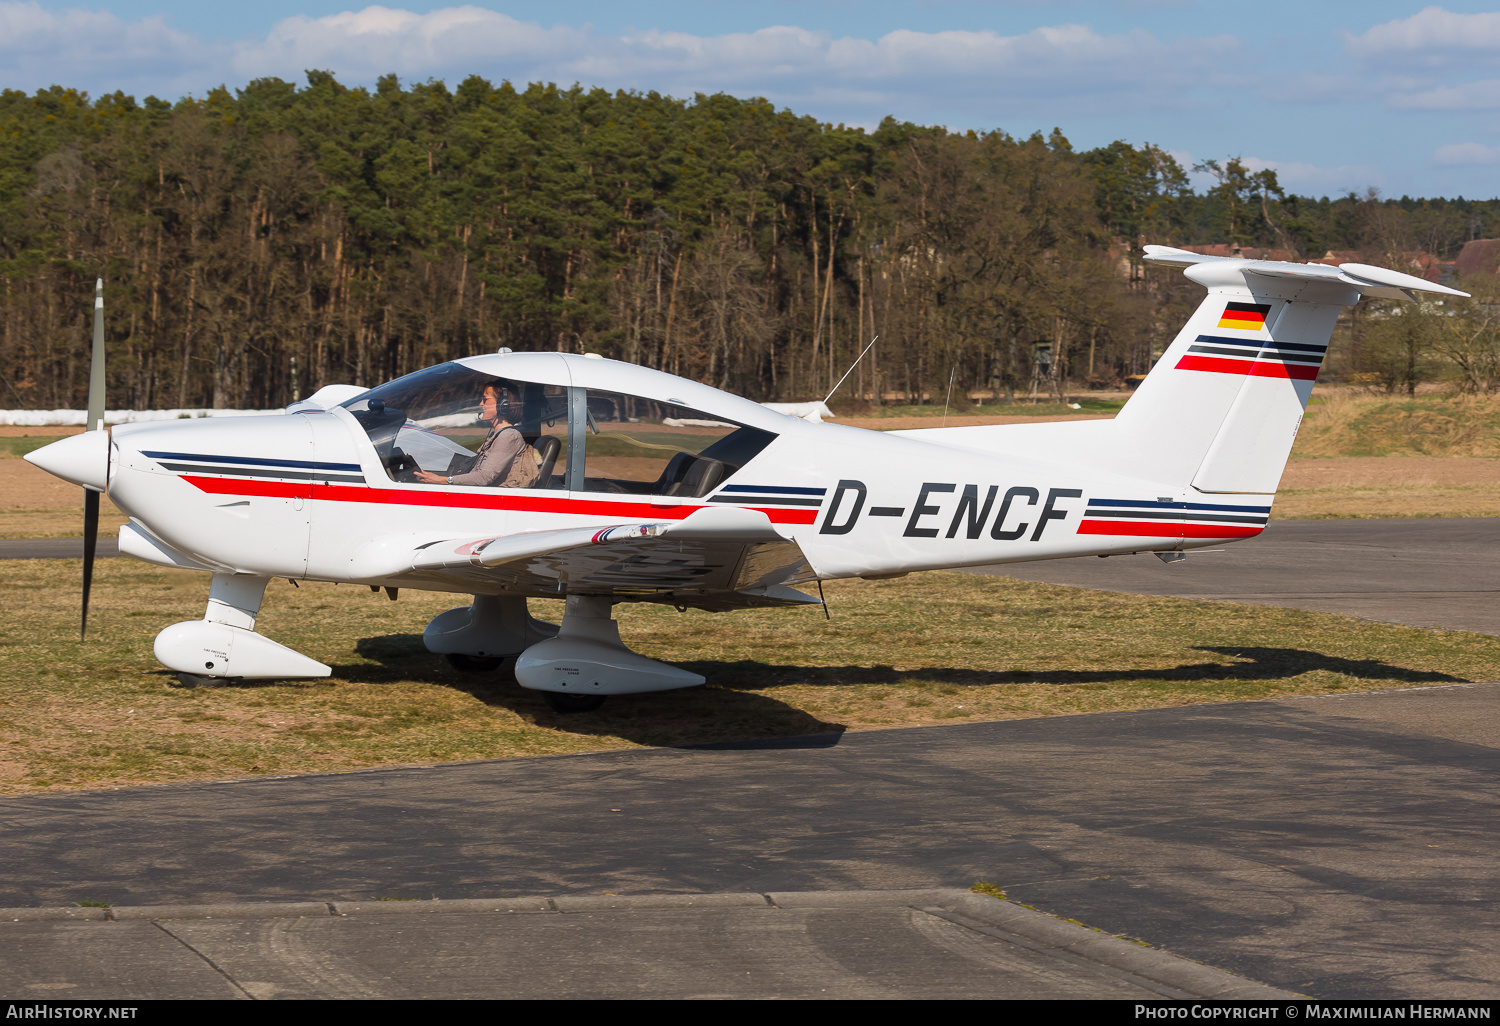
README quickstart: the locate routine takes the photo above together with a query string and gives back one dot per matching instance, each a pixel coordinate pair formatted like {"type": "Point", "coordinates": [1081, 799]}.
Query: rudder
{"type": "Point", "coordinates": [1221, 408]}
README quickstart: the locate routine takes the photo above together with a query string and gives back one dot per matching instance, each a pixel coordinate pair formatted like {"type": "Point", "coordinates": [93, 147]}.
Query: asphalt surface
{"type": "Point", "coordinates": [1434, 572]}
{"type": "Point", "coordinates": [1340, 846]}
{"type": "Point", "coordinates": [54, 548]}
{"type": "Point", "coordinates": [864, 945]}
{"type": "Point", "coordinates": [1336, 846]}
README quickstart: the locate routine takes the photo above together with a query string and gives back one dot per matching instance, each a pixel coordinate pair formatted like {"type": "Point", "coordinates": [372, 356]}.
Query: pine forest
{"type": "Point", "coordinates": [260, 243]}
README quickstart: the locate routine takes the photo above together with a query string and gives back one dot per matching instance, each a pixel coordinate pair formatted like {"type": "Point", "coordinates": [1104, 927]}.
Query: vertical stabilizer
{"type": "Point", "coordinates": [1276, 366]}
{"type": "Point", "coordinates": [1221, 408]}
{"type": "Point", "coordinates": [1219, 411]}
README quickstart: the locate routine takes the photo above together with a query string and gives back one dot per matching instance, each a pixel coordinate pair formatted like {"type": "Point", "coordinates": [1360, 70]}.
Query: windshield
{"type": "Point", "coordinates": [436, 421]}
{"type": "Point", "coordinates": [655, 448]}
{"type": "Point", "coordinates": [450, 425]}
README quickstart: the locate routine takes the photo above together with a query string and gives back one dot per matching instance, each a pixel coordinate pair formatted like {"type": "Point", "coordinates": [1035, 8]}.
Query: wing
{"type": "Point", "coordinates": [716, 558]}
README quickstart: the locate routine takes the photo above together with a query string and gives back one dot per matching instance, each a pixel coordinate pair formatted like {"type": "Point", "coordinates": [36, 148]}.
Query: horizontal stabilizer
{"type": "Point", "coordinates": [1376, 282]}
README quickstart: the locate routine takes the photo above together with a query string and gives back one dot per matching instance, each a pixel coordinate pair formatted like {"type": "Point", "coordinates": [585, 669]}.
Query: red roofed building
{"type": "Point", "coordinates": [1481, 256]}
{"type": "Point", "coordinates": [1417, 262]}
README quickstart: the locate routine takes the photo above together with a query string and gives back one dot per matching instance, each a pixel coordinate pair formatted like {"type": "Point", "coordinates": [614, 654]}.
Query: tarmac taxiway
{"type": "Point", "coordinates": [1340, 846]}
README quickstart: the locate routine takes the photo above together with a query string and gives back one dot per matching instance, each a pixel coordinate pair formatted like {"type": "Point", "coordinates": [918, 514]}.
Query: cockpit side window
{"type": "Point", "coordinates": [647, 447]}
{"type": "Point", "coordinates": [452, 422]}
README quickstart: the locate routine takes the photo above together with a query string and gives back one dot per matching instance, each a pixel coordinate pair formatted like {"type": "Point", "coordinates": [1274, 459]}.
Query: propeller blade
{"type": "Point", "coordinates": [90, 538]}
{"type": "Point", "coordinates": [94, 422]}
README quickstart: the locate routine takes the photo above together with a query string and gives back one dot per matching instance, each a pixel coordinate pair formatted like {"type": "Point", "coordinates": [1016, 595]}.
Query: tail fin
{"type": "Point", "coordinates": [1221, 408]}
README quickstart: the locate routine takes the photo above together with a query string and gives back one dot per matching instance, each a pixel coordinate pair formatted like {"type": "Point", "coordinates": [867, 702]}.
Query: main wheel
{"type": "Point", "coordinates": [560, 702]}
{"type": "Point", "coordinates": [193, 680]}
{"type": "Point", "coordinates": [473, 664]}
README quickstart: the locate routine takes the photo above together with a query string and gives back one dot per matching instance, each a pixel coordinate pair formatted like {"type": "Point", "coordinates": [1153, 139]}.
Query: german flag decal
{"type": "Point", "coordinates": [1244, 316]}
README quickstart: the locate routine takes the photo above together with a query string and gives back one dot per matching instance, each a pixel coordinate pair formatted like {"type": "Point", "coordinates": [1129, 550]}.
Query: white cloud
{"type": "Point", "coordinates": [376, 40]}
{"type": "Point", "coordinates": [1414, 60]}
{"type": "Point", "coordinates": [1433, 37]}
{"type": "Point", "coordinates": [1294, 176]}
{"type": "Point", "coordinates": [1484, 95]}
{"type": "Point", "coordinates": [795, 66]}
{"type": "Point", "coordinates": [39, 47]}
{"type": "Point", "coordinates": [918, 75]}
{"type": "Point", "coordinates": [1459, 154]}
{"type": "Point", "coordinates": [1314, 180]}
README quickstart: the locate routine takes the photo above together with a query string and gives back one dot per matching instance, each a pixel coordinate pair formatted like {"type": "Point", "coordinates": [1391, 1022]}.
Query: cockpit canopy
{"type": "Point", "coordinates": [579, 439]}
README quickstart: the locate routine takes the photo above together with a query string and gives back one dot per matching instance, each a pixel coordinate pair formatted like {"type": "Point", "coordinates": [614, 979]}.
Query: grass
{"type": "Point", "coordinates": [928, 649]}
{"type": "Point", "coordinates": [657, 445]}
{"type": "Point", "coordinates": [1371, 502]}
{"type": "Point", "coordinates": [14, 447]}
{"type": "Point", "coordinates": [1424, 425]}
{"type": "Point", "coordinates": [59, 523]}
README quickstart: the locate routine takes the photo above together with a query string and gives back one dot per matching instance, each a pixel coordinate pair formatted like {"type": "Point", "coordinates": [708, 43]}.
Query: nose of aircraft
{"type": "Point", "coordinates": [82, 459]}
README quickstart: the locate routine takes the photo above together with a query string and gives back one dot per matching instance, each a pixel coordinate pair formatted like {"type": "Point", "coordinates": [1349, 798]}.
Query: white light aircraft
{"type": "Point", "coordinates": [622, 484]}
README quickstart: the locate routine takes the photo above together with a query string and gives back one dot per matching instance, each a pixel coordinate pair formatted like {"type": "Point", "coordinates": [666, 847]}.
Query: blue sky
{"type": "Point", "coordinates": [1404, 97]}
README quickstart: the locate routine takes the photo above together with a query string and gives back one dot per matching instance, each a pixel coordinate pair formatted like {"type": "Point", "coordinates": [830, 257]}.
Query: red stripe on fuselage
{"type": "Point", "coordinates": [470, 500]}
{"type": "Point", "coordinates": [1254, 368]}
{"type": "Point", "coordinates": [1136, 528]}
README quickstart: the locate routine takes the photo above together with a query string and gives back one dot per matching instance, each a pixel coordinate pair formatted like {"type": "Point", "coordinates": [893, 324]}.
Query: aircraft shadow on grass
{"type": "Point", "coordinates": [651, 718]}
{"type": "Point", "coordinates": [1252, 664]}
{"type": "Point", "coordinates": [402, 657]}
{"type": "Point", "coordinates": [654, 718]}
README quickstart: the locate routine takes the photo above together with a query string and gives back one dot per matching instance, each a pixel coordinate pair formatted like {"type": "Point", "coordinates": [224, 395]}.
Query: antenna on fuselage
{"type": "Point", "coordinates": [853, 365]}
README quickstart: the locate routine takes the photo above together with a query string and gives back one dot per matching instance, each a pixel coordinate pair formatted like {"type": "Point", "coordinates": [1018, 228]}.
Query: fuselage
{"type": "Point", "coordinates": [308, 495]}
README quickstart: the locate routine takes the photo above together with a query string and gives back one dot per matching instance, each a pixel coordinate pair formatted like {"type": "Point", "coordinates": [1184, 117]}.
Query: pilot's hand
{"type": "Point", "coordinates": [428, 477]}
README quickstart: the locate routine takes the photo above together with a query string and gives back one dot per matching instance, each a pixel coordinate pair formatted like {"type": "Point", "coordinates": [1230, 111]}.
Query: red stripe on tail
{"type": "Point", "coordinates": [1254, 368]}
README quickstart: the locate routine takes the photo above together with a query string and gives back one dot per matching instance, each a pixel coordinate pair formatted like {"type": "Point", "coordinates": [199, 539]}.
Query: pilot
{"type": "Point", "coordinates": [504, 460]}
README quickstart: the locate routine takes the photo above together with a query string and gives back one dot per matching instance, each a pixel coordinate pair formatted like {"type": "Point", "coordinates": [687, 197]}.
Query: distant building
{"type": "Point", "coordinates": [1481, 256]}
{"type": "Point", "coordinates": [1417, 262]}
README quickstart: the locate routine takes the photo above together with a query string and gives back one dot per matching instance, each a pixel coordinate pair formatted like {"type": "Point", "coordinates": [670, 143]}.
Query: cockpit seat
{"type": "Point", "coordinates": [701, 477]}
{"type": "Point", "coordinates": [671, 478]}
{"type": "Point", "coordinates": [547, 447]}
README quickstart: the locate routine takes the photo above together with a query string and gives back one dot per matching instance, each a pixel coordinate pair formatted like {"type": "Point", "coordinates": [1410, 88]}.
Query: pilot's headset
{"type": "Point", "coordinates": [504, 409]}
